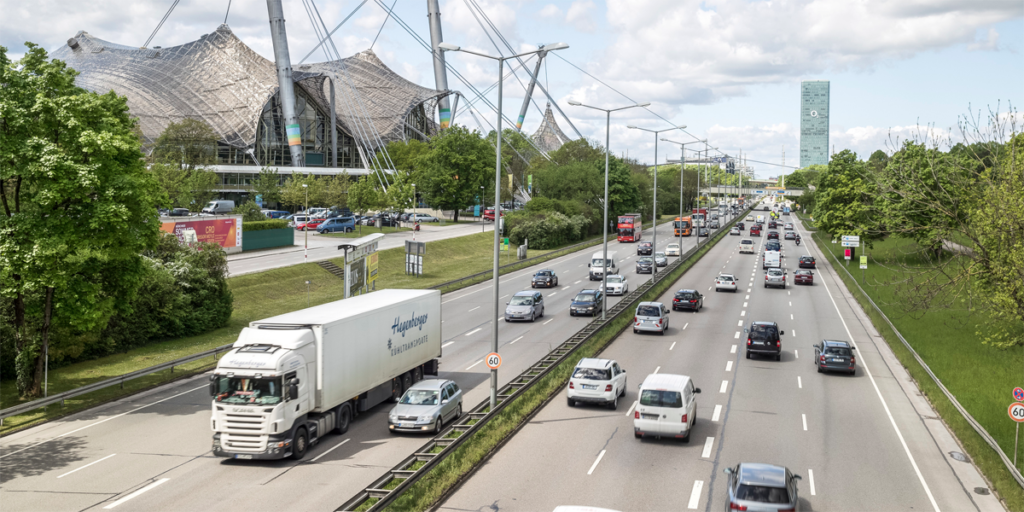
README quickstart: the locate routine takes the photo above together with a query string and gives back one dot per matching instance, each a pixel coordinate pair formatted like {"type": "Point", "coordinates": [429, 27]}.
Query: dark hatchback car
{"type": "Point", "coordinates": [835, 356]}
{"type": "Point", "coordinates": [773, 225]}
{"type": "Point", "coordinates": [644, 249]}
{"type": "Point", "coordinates": [545, 278]}
{"type": "Point", "coordinates": [687, 299]}
{"type": "Point", "coordinates": [806, 261]}
{"type": "Point", "coordinates": [764, 487]}
{"type": "Point", "coordinates": [645, 265]}
{"type": "Point", "coordinates": [587, 302]}
{"type": "Point", "coordinates": [764, 338]}
{"type": "Point", "coordinates": [741, 226]}
{"type": "Point", "coordinates": [773, 235]}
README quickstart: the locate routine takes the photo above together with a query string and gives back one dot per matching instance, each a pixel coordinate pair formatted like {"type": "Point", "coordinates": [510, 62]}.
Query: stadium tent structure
{"type": "Point", "coordinates": [549, 136]}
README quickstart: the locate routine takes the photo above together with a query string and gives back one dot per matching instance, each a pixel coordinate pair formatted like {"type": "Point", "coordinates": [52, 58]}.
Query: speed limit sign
{"type": "Point", "coordinates": [1016, 411]}
{"type": "Point", "coordinates": [493, 361]}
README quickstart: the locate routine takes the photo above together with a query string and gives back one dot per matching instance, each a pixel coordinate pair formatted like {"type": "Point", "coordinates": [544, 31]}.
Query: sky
{"type": "Point", "coordinates": [729, 70]}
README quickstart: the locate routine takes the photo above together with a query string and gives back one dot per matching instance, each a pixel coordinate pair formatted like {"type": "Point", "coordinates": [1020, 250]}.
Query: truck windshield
{"type": "Point", "coordinates": [597, 262]}
{"type": "Point", "coordinates": [248, 390]}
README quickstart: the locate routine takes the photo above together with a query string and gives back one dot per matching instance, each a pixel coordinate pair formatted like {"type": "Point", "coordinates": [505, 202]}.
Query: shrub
{"type": "Point", "coordinates": [546, 230]}
{"type": "Point", "coordinates": [260, 225]}
{"type": "Point", "coordinates": [250, 212]}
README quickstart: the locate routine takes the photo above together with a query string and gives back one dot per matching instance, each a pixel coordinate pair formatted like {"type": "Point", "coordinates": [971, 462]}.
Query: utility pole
{"type": "Point", "coordinates": [284, 79]}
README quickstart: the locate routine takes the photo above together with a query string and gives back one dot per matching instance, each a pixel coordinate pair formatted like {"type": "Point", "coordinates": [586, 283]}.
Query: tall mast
{"type": "Point", "coordinates": [529, 91]}
{"type": "Point", "coordinates": [284, 80]}
{"type": "Point", "coordinates": [440, 73]}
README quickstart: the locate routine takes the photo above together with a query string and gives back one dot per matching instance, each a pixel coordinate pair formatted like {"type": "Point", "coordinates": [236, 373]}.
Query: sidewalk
{"type": "Point", "coordinates": [325, 247]}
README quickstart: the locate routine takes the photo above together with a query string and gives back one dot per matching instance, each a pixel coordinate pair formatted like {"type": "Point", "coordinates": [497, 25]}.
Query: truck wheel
{"type": "Point", "coordinates": [300, 444]}
{"type": "Point", "coordinates": [344, 419]}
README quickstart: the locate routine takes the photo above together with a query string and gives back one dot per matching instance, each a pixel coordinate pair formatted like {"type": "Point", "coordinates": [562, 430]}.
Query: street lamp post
{"type": "Point", "coordinates": [607, 151]}
{"type": "Point", "coordinates": [497, 189]}
{"type": "Point", "coordinates": [483, 211]}
{"type": "Point", "coordinates": [654, 242]}
{"type": "Point", "coordinates": [682, 167]}
{"type": "Point", "coordinates": [305, 228]}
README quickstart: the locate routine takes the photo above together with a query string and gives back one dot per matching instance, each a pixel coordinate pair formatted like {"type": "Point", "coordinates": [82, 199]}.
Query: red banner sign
{"type": "Point", "coordinates": [223, 232]}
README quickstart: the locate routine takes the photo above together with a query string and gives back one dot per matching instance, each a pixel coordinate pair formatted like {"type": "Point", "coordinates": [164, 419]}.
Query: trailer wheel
{"type": "Point", "coordinates": [417, 374]}
{"type": "Point", "coordinates": [299, 444]}
{"type": "Point", "coordinates": [406, 382]}
{"type": "Point", "coordinates": [343, 420]}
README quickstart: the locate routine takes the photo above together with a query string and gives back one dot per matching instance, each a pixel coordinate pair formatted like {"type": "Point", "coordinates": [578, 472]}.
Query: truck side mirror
{"type": "Point", "coordinates": [293, 389]}
{"type": "Point", "coordinates": [213, 385]}
{"type": "Point", "coordinates": [782, 333]}
{"type": "Point", "coordinates": [696, 390]}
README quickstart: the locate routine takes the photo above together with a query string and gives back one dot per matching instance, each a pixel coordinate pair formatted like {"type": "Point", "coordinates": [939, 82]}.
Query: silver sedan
{"type": "Point", "coordinates": [426, 407]}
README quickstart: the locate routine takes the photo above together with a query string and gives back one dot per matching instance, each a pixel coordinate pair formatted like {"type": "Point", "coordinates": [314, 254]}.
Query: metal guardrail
{"type": "Point", "coordinates": [479, 416]}
{"type": "Point", "coordinates": [119, 380]}
{"type": "Point", "coordinates": [956, 403]}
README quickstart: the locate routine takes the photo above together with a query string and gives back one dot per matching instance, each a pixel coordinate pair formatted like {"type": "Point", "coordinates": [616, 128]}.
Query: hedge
{"type": "Point", "coordinates": [261, 225]}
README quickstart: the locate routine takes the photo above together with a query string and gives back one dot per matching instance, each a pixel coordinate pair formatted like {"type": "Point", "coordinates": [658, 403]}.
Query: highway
{"type": "Point", "coordinates": [151, 451]}
{"type": "Point", "coordinates": [863, 442]}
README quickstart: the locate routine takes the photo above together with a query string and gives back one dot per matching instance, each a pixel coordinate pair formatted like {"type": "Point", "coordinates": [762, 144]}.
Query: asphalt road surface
{"type": "Point", "coordinates": [862, 442]}
{"type": "Point", "coordinates": [152, 451]}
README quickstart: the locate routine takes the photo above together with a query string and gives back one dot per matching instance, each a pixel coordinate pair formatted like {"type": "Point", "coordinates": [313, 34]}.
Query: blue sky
{"type": "Point", "coordinates": [728, 69]}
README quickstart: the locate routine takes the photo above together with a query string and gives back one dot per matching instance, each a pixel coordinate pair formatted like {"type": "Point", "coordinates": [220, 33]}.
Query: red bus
{"type": "Point", "coordinates": [630, 227]}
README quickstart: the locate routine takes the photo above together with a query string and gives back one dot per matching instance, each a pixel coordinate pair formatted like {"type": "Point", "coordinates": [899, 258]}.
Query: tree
{"type": "Point", "coordinates": [844, 199]}
{"type": "Point", "coordinates": [189, 144]}
{"type": "Point", "coordinates": [78, 206]}
{"type": "Point", "coordinates": [457, 165]}
{"type": "Point", "coordinates": [267, 185]}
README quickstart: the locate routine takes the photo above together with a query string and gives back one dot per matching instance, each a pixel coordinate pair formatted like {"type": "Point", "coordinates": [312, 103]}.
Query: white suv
{"type": "Point", "coordinates": [747, 245]}
{"type": "Point", "coordinates": [596, 381]}
{"type": "Point", "coordinates": [725, 282]}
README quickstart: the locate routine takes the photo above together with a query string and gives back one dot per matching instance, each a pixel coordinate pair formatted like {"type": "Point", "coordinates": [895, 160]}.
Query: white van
{"type": "Point", "coordinates": [667, 407]}
{"type": "Point", "coordinates": [771, 259]}
{"type": "Point", "coordinates": [218, 207]}
{"type": "Point", "coordinates": [597, 266]}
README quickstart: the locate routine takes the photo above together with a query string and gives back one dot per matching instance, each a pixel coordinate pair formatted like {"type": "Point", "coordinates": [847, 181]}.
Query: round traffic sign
{"type": "Point", "coordinates": [1018, 394]}
{"type": "Point", "coordinates": [1016, 411]}
{"type": "Point", "coordinates": [493, 361]}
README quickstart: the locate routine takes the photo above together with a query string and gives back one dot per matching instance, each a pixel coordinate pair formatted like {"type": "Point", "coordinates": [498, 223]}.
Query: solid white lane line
{"type": "Point", "coordinates": [684, 327]}
{"type": "Point", "coordinates": [698, 485]}
{"type": "Point", "coordinates": [810, 480]}
{"type": "Point", "coordinates": [725, 384]}
{"type": "Point", "coordinates": [447, 344]}
{"type": "Point", "coordinates": [656, 369]}
{"type": "Point", "coordinates": [708, 443]}
{"type": "Point", "coordinates": [799, 382]}
{"type": "Point", "coordinates": [744, 304]}
{"type": "Point", "coordinates": [204, 386]}
{"type": "Point", "coordinates": [136, 493]}
{"type": "Point", "coordinates": [672, 346]}
{"type": "Point", "coordinates": [548, 322]}
{"type": "Point", "coordinates": [318, 457]}
{"type": "Point", "coordinates": [717, 413]}
{"type": "Point", "coordinates": [599, 456]}
{"type": "Point", "coordinates": [87, 465]}
{"type": "Point", "coordinates": [737, 336]}
{"type": "Point", "coordinates": [732, 350]}
{"type": "Point", "coordinates": [474, 309]}
{"type": "Point", "coordinates": [566, 287]}
{"type": "Point", "coordinates": [474, 331]}
{"type": "Point", "coordinates": [474, 364]}
{"type": "Point", "coordinates": [515, 340]}
{"type": "Point", "coordinates": [630, 411]}
{"type": "Point", "coordinates": [728, 366]}
{"type": "Point", "coordinates": [804, 418]}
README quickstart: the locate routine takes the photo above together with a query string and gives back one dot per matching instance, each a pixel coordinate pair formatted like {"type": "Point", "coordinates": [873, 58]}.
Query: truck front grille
{"type": "Point", "coordinates": [244, 442]}
{"type": "Point", "coordinates": [244, 422]}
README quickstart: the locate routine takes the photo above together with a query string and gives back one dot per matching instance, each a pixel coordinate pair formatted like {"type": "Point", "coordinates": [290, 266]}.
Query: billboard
{"type": "Point", "coordinates": [225, 232]}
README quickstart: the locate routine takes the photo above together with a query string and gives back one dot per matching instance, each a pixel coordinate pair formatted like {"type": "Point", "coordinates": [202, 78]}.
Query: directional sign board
{"type": "Point", "coordinates": [851, 238]}
{"type": "Point", "coordinates": [493, 361]}
{"type": "Point", "coordinates": [1018, 394]}
{"type": "Point", "coordinates": [1016, 412]}
{"type": "Point", "coordinates": [850, 244]}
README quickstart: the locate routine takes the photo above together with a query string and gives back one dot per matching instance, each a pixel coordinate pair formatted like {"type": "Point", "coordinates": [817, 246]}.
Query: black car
{"type": "Point", "coordinates": [545, 278]}
{"type": "Point", "coordinates": [644, 248]}
{"type": "Point", "coordinates": [645, 265]}
{"type": "Point", "coordinates": [773, 225]}
{"type": "Point", "coordinates": [806, 261]}
{"type": "Point", "coordinates": [687, 299]}
{"type": "Point", "coordinates": [764, 338]}
{"type": "Point", "coordinates": [835, 356]}
{"type": "Point", "coordinates": [773, 245]}
{"type": "Point", "coordinates": [741, 226]}
{"type": "Point", "coordinates": [179, 212]}
{"type": "Point", "coordinates": [586, 302]}
{"type": "Point", "coordinates": [703, 232]}
{"type": "Point", "coordinates": [773, 235]}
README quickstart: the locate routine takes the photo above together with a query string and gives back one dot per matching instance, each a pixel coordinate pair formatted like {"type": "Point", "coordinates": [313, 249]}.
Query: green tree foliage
{"type": "Point", "coordinates": [250, 212]}
{"type": "Point", "coordinates": [267, 185]}
{"type": "Point", "coordinates": [320, 191]}
{"type": "Point", "coordinates": [185, 189]}
{"type": "Point", "coordinates": [189, 144]}
{"type": "Point", "coordinates": [845, 199]}
{"type": "Point", "coordinates": [545, 230]}
{"type": "Point", "coordinates": [453, 171]}
{"type": "Point", "coordinates": [79, 207]}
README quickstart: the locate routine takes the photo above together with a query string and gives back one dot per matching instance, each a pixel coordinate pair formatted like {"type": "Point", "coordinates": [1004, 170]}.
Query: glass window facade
{"type": "Point", "coordinates": [272, 146]}
{"type": "Point", "coordinates": [814, 112]}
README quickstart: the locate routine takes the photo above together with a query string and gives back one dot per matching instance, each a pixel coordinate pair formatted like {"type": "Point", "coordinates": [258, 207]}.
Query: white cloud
{"type": "Point", "coordinates": [581, 15]}
{"type": "Point", "coordinates": [550, 11]}
{"type": "Point", "coordinates": [990, 42]}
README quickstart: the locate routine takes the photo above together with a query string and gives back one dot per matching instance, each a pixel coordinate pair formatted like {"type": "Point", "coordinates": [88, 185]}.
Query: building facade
{"type": "Point", "coordinates": [814, 120]}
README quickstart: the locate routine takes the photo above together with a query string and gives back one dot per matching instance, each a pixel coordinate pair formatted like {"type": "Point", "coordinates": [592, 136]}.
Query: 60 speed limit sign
{"type": "Point", "coordinates": [493, 361]}
{"type": "Point", "coordinates": [1016, 411]}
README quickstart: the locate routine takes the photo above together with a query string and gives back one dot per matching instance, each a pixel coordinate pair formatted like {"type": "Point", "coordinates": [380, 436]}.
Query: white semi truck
{"type": "Point", "coordinates": [291, 379]}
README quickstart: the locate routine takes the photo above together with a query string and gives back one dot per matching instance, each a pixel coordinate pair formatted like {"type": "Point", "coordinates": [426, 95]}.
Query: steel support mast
{"type": "Point", "coordinates": [440, 73]}
{"type": "Point", "coordinates": [529, 91]}
{"type": "Point", "coordinates": [284, 79]}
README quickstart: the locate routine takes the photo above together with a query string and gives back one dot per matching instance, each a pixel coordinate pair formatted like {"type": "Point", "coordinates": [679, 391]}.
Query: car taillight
{"type": "Point", "coordinates": [684, 418]}
{"type": "Point", "coordinates": [748, 341]}
{"type": "Point", "coordinates": [778, 343]}
{"type": "Point", "coordinates": [693, 300]}
{"type": "Point", "coordinates": [734, 506]}
{"type": "Point", "coordinates": [636, 415]}
{"type": "Point", "coordinates": [571, 386]}
{"type": "Point", "coordinates": [822, 358]}
{"type": "Point", "coordinates": [853, 360]}
{"type": "Point", "coordinates": [636, 320]}
{"type": "Point", "coordinates": [608, 387]}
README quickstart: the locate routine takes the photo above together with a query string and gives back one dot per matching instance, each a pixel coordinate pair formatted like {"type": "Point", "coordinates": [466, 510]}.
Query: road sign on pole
{"type": "Point", "coordinates": [493, 361]}
{"type": "Point", "coordinates": [863, 262]}
{"type": "Point", "coordinates": [1018, 394]}
{"type": "Point", "coordinates": [851, 238]}
{"type": "Point", "coordinates": [1016, 412]}
{"type": "Point", "coordinates": [846, 254]}
{"type": "Point", "coordinates": [850, 244]}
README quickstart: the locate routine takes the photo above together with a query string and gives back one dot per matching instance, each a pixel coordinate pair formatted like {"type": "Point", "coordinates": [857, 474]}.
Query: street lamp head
{"type": "Point", "coordinates": [449, 47]}
{"type": "Point", "coordinates": [575, 103]}
{"type": "Point", "coordinates": [554, 46]}
{"type": "Point", "coordinates": [642, 105]}
{"type": "Point", "coordinates": [631, 127]}
{"type": "Point", "coordinates": [681, 127]}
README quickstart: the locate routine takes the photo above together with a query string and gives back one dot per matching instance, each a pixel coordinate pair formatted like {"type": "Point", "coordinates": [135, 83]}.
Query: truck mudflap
{"type": "Point", "coordinates": [431, 367]}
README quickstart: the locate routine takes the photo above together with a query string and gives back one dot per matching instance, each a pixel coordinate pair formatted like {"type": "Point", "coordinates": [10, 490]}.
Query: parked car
{"type": "Point", "coordinates": [688, 299]}
{"type": "Point", "coordinates": [596, 381]}
{"type": "Point", "coordinates": [803, 276]}
{"type": "Point", "coordinates": [422, 217]}
{"type": "Point", "coordinates": [294, 219]}
{"type": "Point", "coordinates": [790, 235]}
{"type": "Point", "coordinates": [832, 355]}
{"type": "Point", "coordinates": [342, 224]}
{"type": "Point", "coordinates": [764, 338]}
{"type": "Point", "coordinates": [775, 278]}
{"type": "Point", "coordinates": [747, 245]}
{"type": "Point", "coordinates": [660, 259]}
{"type": "Point", "coordinates": [617, 285]}
{"type": "Point", "coordinates": [179, 212]}
{"type": "Point", "coordinates": [545, 278]}
{"type": "Point", "coordinates": [644, 249]}
{"type": "Point", "coordinates": [672, 249]}
{"type": "Point", "coordinates": [735, 231]}
{"type": "Point", "coordinates": [489, 214]}
{"type": "Point", "coordinates": [807, 261]}
{"type": "Point", "coordinates": [525, 306]}
{"type": "Point", "coordinates": [753, 486]}
{"type": "Point", "coordinates": [645, 265]}
{"type": "Point", "coordinates": [725, 282]}
{"type": "Point", "coordinates": [586, 302]}
{"type": "Point", "coordinates": [667, 407]}
{"type": "Point", "coordinates": [218, 207]}
{"type": "Point", "coordinates": [275, 214]}
{"type": "Point", "coordinates": [426, 406]}
{"type": "Point", "coordinates": [651, 317]}
{"type": "Point", "coordinates": [310, 223]}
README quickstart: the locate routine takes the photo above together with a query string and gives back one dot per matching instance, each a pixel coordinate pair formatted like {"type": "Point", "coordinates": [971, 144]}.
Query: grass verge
{"type": "Point", "coordinates": [981, 377]}
{"type": "Point", "coordinates": [425, 493]}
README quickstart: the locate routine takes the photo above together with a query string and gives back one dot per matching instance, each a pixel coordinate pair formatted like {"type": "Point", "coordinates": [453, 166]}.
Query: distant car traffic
{"type": "Point", "coordinates": [703, 232]}
{"type": "Point", "coordinates": [755, 230]}
{"type": "Point", "coordinates": [803, 276]}
{"type": "Point", "coordinates": [735, 231]}
{"type": "Point", "coordinates": [773, 235]}
{"type": "Point", "coordinates": [688, 299]}
{"type": "Point", "coordinates": [775, 278]}
{"type": "Point", "coordinates": [790, 235]}
{"type": "Point", "coordinates": [741, 225]}
{"type": "Point", "coordinates": [644, 249]}
{"type": "Point", "coordinates": [596, 381]}
{"type": "Point", "coordinates": [651, 317]}
{"type": "Point", "coordinates": [789, 226]}
{"type": "Point", "coordinates": [545, 278]}
{"type": "Point", "coordinates": [645, 265]}
{"type": "Point", "coordinates": [426, 407]}
{"type": "Point", "coordinates": [672, 249]}
{"type": "Point", "coordinates": [747, 245]}
{"type": "Point", "coordinates": [807, 261]}
{"type": "Point", "coordinates": [835, 356]}
{"type": "Point", "coordinates": [660, 259]}
{"type": "Point", "coordinates": [586, 302]}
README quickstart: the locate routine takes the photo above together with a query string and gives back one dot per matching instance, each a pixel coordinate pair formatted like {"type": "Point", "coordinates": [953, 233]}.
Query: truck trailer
{"type": "Point", "coordinates": [293, 378]}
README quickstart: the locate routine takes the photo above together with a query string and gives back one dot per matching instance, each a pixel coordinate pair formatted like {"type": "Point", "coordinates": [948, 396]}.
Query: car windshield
{"type": "Point", "coordinates": [661, 398]}
{"type": "Point", "coordinates": [597, 262]}
{"type": "Point", "coordinates": [775, 273]}
{"type": "Point", "coordinates": [592, 374]}
{"type": "Point", "coordinates": [681, 224]}
{"type": "Point", "coordinates": [248, 390]}
{"type": "Point", "coordinates": [646, 259]}
{"type": "Point", "coordinates": [760, 332]}
{"type": "Point", "coordinates": [614, 279]}
{"type": "Point", "coordinates": [543, 274]}
{"type": "Point", "coordinates": [521, 301]}
{"type": "Point", "coordinates": [838, 351]}
{"type": "Point", "coordinates": [659, 255]}
{"type": "Point", "coordinates": [762, 494]}
{"type": "Point", "coordinates": [747, 242]}
{"type": "Point", "coordinates": [804, 273]}
{"type": "Point", "coordinates": [648, 311]}
{"type": "Point", "coordinates": [686, 295]}
{"type": "Point", "coordinates": [726, 277]}
{"type": "Point", "coordinates": [585, 297]}
{"type": "Point", "coordinates": [420, 397]}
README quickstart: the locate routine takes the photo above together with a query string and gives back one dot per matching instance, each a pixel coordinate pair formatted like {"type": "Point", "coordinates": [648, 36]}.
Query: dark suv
{"type": "Point", "coordinates": [764, 338]}
{"type": "Point", "coordinates": [688, 299]}
{"type": "Point", "coordinates": [587, 302]}
{"type": "Point", "coordinates": [645, 265]}
{"type": "Point", "coordinates": [644, 249]}
{"type": "Point", "coordinates": [806, 261]}
{"type": "Point", "coordinates": [835, 356]}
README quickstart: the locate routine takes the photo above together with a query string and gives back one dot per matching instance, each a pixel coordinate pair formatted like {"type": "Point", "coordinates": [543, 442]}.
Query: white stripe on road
{"type": "Point", "coordinates": [672, 346]}
{"type": "Point", "coordinates": [318, 457]}
{"type": "Point", "coordinates": [515, 340]}
{"type": "Point", "coordinates": [739, 324]}
{"type": "Point", "coordinates": [728, 366]}
{"type": "Point", "coordinates": [796, 353]}
{"type": "Point", "coordinates": [725, 384]}
{"type": "Point", "coordinates": [566, 287]}
{"type": "Point", "coordinates": [710, 442]}
{"type": "Point", "coordinates": [804, 418]}
{"type": "Point", "coordinates": [799, 382]}
{"type": "Point", "coordinates": [810, 480]}
{"type": "Point", "coordinates": [474, 331]}
{"type": "Point", "coordinates": [732, 350]}
{"type": "Point", "coordinates": [136, 493]}
{"type": "Point", "coordinates": [737, 336]}
{"type": "Point", "coordinates": [744, 304]}
{"type": "Point", "coordinates": [791, 316]}
{"type": "Point", "coordinates": [718, 412]}
{"type": "Point", "coordinates": [474, 309]}
{"type": "Point", "coordinates": [552, 294]}
{"type": "Point", "coordinates": [446, 344]}
{"type": "Point", "coordinates": [578, 282]}
{"type": "Point", "coordinates": [630, 411]}
{"type": "Point", "coordinates": [684, 327]}
{"type": "Point", "coordinates": [794, 332]}
{"type": "Point", "coordinates": [656, 369]}
{"type": "Point", "coordinates": [747, 297]}
{"type": "Point", "coordinates": [743, 313]}
{"type": "Point", "coordinates": [87, 465]}
{"type": "Point", "coordinates": [548, 322]}
{"type": "Point", "coordinates": [599, 456]}
{"type": "Point", "coordinates": [474, 364]}
{"type": "Point", "coordinates": [698, 485]}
